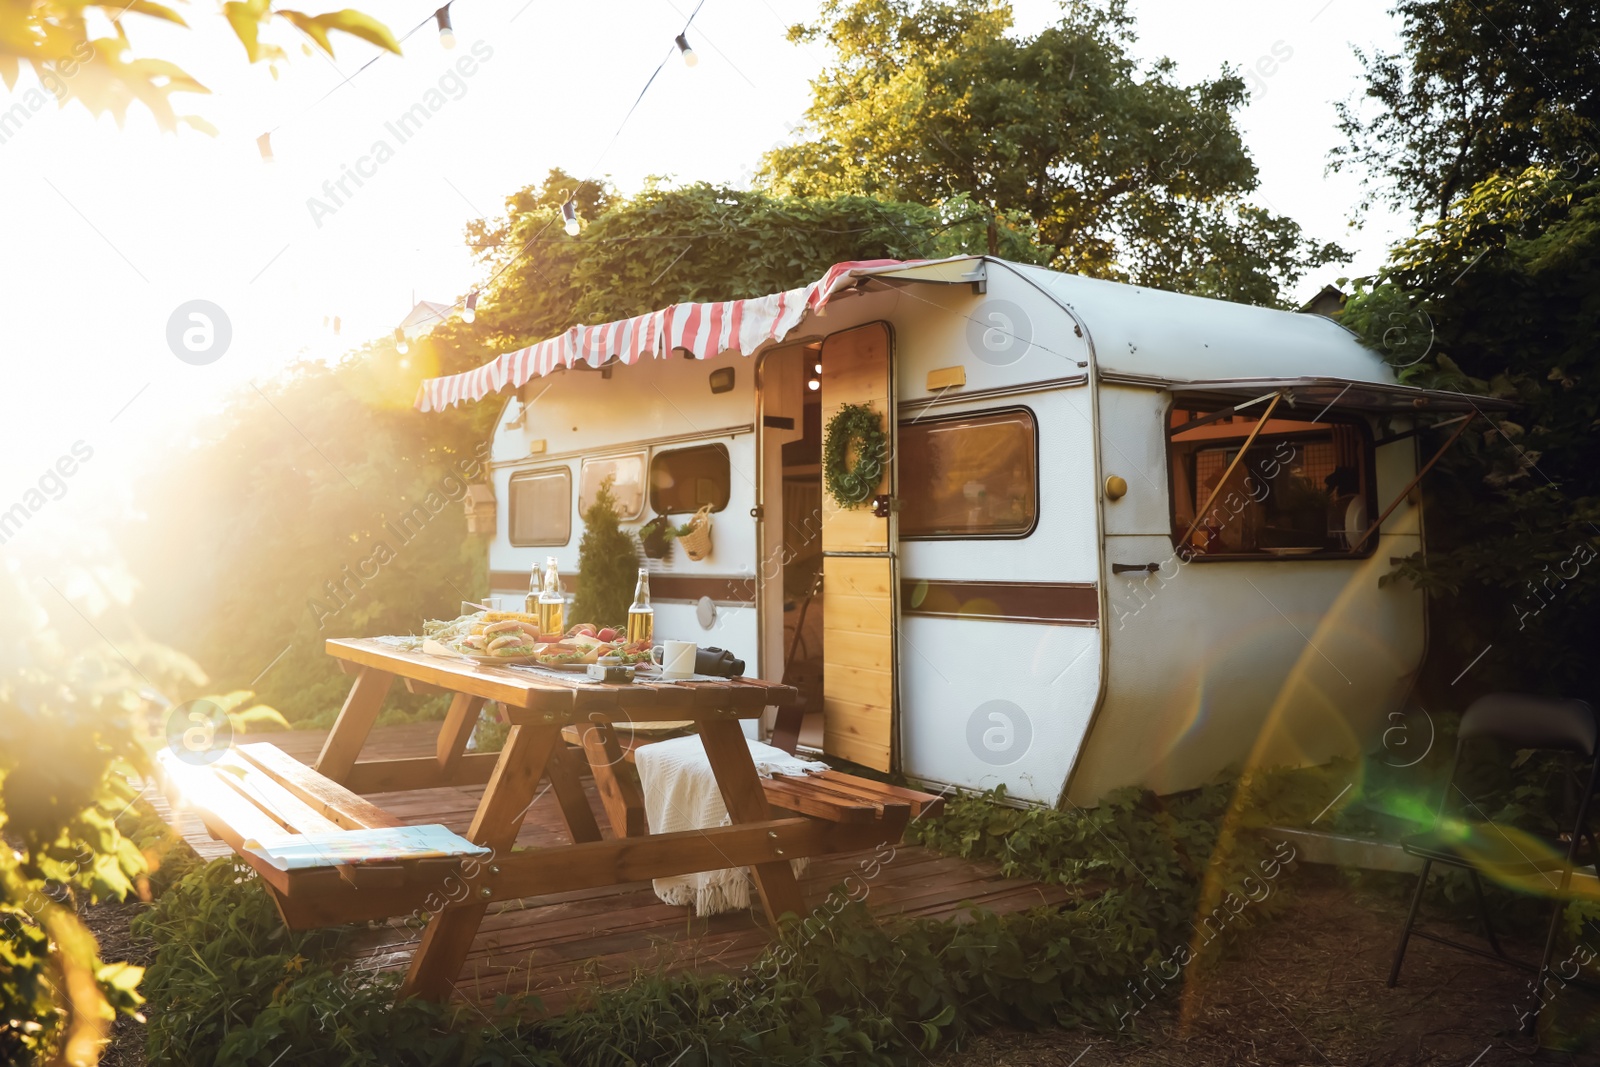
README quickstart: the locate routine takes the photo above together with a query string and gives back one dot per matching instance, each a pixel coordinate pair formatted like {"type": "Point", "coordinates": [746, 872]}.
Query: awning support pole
{"type": "Point", "coordinates": [1204, 420]}
{"type": "Point", "coordinates": [1244, 448]}
{"type": "Point", "coordinates": [1426, 467]}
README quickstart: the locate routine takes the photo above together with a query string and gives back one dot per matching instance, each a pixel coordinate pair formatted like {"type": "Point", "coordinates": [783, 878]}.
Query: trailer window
{"type": "Point", "coordinates": [1304, 488]}
{"type": "Point", "coordinates": [627, 483]}
{"type": "Point", "coordinates": [686, 479]}
{"type": "Point", "coordinates": [969, 476]}
{"type": "Point", "coordinates": [541, 507]}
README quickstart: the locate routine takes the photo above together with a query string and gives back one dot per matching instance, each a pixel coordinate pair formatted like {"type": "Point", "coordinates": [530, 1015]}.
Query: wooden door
{"type": "Point", "coordinates": [858, 581]}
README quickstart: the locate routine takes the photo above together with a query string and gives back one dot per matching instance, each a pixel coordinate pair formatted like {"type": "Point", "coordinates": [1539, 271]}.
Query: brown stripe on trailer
{"type": "Point", "coordinates": [687, 587]}
{"type": "Point", "coordinates": [1067, 603]}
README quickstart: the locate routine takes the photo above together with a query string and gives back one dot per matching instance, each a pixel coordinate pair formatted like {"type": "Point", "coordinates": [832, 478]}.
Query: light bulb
{"type": "Point", "coordinates": [813, 385]}
{"type": "Point", "coordinates": [401, 345]}
{"type": "Point", "coordinates": [447, 38]}
{"type": "Point", "coordinates": [470, 312]}
{"type": "Point", "coordinates": [819, 368]}
{"type": "Point", "coordinates": [569, 213]}
{"type": "Point", "coordinates": [468, 315]}
{"type": "Point", "coordinates": [447, 33]}
{"type": "Point", "coordinates": [689, 58]}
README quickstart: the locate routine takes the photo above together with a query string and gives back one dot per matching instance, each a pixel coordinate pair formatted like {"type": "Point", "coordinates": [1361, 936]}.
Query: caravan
{"type": "Point", "coordinates": [1122, 536]}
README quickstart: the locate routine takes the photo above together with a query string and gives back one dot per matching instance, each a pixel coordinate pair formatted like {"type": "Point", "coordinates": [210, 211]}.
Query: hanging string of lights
{"type": "Point", "coordinates": [569, 207]}
{"type": "Point", "coordinates": [447, 38]}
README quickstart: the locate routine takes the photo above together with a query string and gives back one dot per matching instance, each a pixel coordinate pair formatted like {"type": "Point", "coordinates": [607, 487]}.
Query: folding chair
{"type": "Point", "coordinates": [1522, 721]}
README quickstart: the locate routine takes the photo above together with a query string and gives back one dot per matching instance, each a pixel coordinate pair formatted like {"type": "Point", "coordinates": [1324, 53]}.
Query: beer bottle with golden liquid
{"type": "Point", "coordinates": [552, 605]}
{"type": "Point", "coordinates": [641, 616]}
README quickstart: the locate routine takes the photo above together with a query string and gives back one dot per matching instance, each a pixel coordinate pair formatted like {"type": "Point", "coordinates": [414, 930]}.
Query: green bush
{"type": "Point", "coordinates": [607, 566]}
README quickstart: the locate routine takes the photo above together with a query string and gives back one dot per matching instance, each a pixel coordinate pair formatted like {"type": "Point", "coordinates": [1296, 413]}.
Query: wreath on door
{"type": "Point", "coordinates": [857, 429]}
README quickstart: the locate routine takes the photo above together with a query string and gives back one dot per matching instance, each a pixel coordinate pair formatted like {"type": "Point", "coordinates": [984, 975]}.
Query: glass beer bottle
{"type": "Point", "coordinates": [641, 616]}
{"type": "Point", "coordinates": [552, 604]}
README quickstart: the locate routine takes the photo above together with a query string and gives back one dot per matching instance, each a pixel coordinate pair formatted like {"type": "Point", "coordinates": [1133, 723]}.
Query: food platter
{"type": "Point", "coordinates": [498, 661]}
{"type": "Point", "coordinates": [472, 636]}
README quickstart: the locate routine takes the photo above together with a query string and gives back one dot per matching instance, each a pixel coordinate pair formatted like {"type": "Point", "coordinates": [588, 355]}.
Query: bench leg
{"type": "Point", "coordinates": [448, 938]}
{"type": "Point", "coordinates": [747, 802]}
{"type": "Point", "coordinates": [355, 721]}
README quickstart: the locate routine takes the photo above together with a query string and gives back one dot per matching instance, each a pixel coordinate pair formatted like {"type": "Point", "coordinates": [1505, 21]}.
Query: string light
{"type": "Point", "coordinates": [689, 58]}
{"type": "Point", "coordinates": [470, 312]}
{"type": "Point", "coordinates": [447, 33]}
{"type": "Point", "coordinates": [401, 345]}
{"type": "Point", "coordinates": [569, 215]}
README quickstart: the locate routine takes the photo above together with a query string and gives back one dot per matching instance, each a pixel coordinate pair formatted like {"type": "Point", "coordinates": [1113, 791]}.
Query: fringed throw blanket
{"type": "Point", "coordinates": [680, 793]}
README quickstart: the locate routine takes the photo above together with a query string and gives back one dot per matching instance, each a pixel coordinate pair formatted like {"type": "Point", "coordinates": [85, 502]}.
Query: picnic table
{"type": "Point", "coordinates": [255, 791]}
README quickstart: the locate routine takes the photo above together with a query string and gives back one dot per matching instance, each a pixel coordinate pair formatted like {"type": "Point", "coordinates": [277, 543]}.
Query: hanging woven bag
{"type": "Point", "coordinates": [696, 541]}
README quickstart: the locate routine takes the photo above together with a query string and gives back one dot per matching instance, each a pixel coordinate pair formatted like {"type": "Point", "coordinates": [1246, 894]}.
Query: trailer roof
{"type": "Point", "coordinates": [1189, 344]}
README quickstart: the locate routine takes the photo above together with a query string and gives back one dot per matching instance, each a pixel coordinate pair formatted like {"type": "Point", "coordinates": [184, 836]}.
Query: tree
{"type": "Point", "coordinates": [1502, 296]}
{"type": "Point", "coordinates": [1124, 174]}
{"type": "Point", "coordinates": [54, 38]}
{"type": "Point", "coordinates": [696, 242]}
{"type": "Point", "coordinates": [1479, 88]}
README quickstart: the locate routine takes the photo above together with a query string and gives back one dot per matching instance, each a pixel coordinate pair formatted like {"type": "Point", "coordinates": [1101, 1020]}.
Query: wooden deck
{"type": "Point", "coordinates": [558, 946]}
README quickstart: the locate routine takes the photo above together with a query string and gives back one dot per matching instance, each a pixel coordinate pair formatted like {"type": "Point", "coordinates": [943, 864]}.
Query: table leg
{"type": "Point", "coordinates": [614, 779]}
{"type": "Point", "coordinates": [568, 786]}
{"type": "Point", "coordinates": [747, 802]}
{"type": "Point", "coordinates": [448, 938]}
{"type": "Point", "coordinates": [459, 722]}
{"type": "Point", "coordinates": [355, 721]}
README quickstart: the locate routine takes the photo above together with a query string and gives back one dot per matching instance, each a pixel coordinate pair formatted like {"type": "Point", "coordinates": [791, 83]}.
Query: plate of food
{"type": "Point", "coordinates": [485, 637]}
{"type": "Point", "coordinates": [585, 644]}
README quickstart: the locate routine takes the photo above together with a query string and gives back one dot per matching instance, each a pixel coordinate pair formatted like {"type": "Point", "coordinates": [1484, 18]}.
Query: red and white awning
{"type": "Point", "coordinates": [706, 330]}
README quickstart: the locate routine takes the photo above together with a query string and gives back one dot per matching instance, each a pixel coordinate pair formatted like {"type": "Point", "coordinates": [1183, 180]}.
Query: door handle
{"type": "Point", "coordinates": [1124, 568]}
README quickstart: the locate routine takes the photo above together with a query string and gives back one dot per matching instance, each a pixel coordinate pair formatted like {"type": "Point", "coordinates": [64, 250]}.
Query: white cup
{"type": "Point", "coordinates": [677, 658]}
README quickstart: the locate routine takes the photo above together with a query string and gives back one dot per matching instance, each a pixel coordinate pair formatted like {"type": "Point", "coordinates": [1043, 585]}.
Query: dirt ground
{"type": "Point", "coordinates": [1305, 990]}
{"type": "Point", "coordinates": [1308, 989]}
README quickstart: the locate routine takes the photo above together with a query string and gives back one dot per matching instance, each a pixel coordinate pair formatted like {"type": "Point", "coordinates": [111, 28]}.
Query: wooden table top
{"type": "Point", "coordinates": [541, 699]}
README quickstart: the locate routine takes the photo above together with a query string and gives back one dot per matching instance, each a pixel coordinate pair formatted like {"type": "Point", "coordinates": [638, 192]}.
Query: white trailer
{"type": "Point", "coordinates": [1125, 536]}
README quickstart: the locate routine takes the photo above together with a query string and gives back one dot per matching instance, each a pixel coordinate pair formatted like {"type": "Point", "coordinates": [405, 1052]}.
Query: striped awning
{"type": "Point", "coordinates": [706, 330]}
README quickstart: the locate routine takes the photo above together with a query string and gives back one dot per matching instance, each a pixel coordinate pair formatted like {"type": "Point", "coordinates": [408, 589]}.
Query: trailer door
{"type": "Point", "coordinates": [858, 568]}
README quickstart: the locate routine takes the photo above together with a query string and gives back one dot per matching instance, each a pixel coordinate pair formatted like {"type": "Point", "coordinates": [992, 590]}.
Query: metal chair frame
{"type": "Point", "coordinates": [1580, 829]}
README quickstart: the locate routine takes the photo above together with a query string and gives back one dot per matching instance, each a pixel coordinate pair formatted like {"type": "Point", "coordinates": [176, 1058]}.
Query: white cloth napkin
{"type": "Point", "coordinates": [680, 793]}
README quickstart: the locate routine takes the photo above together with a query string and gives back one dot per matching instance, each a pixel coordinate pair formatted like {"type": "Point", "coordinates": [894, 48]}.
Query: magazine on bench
{"type": "Point", "coordinates": [294, 852]}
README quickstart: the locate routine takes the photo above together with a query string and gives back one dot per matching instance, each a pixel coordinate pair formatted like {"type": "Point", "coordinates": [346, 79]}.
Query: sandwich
{"type": "Point", "coordinates": [506, 639]}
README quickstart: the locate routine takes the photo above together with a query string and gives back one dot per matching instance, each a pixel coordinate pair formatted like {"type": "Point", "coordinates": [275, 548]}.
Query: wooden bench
{"type": "Point", "coordinates": [258, 792]}
{"type": "Point", "coordinates": [831, 795]}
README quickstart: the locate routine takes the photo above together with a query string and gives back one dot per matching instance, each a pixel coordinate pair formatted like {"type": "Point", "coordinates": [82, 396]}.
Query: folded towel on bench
{"type": "Point", "coordinates": [680, 793]}
{"type": "Point", "coordinates": [295, 852]}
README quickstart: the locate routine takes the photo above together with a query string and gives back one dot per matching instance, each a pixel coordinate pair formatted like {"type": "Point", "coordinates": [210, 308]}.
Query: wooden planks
{"type": "Point", "coordinates": [339, 804]}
